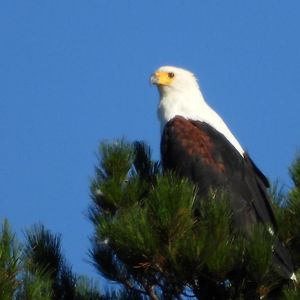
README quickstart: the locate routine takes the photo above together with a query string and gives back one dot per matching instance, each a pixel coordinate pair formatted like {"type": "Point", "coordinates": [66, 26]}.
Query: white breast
{"type": "Point", "coordinates": [192, 106]}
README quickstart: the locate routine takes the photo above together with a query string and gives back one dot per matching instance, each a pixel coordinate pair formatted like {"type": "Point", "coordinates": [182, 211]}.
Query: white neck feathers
{"type": "Point", "coordinates": [189, 103]}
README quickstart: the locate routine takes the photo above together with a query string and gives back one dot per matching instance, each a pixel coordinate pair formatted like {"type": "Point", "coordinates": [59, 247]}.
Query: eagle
{"type": "Point", "coordinates": [197, 144]}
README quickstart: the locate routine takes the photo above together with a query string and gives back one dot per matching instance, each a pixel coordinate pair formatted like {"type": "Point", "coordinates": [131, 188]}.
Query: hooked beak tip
{"type": "Point", "coordinates": [153, 79]}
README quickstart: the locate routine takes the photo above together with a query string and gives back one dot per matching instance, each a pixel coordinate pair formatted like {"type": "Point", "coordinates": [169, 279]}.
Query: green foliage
{"type": "Point", "coordinates": [155, 237]}
{"type": "Point", "coordinates": [9, 262]}
{"type": "Point", "coordinates": [171, 219]}
{"type": "Point", "coordinates": [295, 172]}
{"type": "Point", "coordinates": [43, 252]}
{"type": "Point", "coordinates": [43, 249]}
{"type": "Point", "coordinates": [145, 168]}
{"type": "Point", "coordinates": [36, 285]}
{"type": "Point", "coordinates": [38, 270]}
{"type": "Point", "coordinates": [288, 215]}
{"type": "Point", "coordinates": [259, 252]}
{"type": "Point", "coordinates": [87, 289]}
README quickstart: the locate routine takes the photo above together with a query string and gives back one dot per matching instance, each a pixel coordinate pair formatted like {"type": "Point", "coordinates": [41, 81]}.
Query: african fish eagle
{"type": "Point", "coordinates": [197, 144]}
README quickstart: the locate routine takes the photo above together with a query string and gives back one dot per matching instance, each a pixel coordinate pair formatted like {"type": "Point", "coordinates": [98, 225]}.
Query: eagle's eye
{"type": "Point", "coordinates": [171, 74]}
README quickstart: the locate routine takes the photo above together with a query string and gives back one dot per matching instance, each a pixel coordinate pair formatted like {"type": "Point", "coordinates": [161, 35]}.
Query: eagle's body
{"type": "Point", "coordinates": [197, 144]}
{"type": "Point", "coordinates": [196, 150]}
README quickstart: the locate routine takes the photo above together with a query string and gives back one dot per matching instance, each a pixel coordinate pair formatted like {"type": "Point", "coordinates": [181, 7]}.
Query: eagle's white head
{"type": "Point", "coordinates": [170, 79]}
{"type": "Point", "coordinates": [180, 95]}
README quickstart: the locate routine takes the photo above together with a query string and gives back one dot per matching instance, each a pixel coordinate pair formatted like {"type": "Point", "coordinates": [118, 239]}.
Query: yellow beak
{"type": "Point", "coordinates": [161, 78]}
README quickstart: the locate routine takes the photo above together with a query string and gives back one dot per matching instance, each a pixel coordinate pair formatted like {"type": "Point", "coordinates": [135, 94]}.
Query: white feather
{"type": "Point", "coordinates": [184, 98]}
{"type": "Point", "coordinates": [293, 277]}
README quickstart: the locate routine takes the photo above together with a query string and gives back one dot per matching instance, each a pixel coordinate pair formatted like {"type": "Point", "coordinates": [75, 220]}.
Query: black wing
{"type": "Point", "coordinates": [196, 150]}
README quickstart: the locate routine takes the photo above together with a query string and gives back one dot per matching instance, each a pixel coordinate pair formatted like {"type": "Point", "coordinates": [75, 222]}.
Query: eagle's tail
{"type": "Point", "coordinates": [282, 262]}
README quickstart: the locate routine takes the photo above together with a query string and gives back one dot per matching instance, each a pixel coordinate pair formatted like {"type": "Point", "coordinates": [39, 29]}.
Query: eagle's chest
{"type": "Point", "coordinates": [197, 151]}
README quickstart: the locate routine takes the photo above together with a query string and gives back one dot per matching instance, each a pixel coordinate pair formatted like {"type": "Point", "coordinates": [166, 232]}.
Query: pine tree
{"type": "Point", "coordinates": [37, 270]}
{"type": "Point", "coordinates": [156, 238]}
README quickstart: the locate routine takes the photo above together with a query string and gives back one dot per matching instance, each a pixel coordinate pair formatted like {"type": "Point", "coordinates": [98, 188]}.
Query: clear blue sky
{"type": "Point", "coordinates": [74, 73]}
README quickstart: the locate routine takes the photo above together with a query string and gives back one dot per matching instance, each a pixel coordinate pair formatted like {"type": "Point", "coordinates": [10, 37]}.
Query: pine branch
{"type": "Point", "coordinates": [9, 262]}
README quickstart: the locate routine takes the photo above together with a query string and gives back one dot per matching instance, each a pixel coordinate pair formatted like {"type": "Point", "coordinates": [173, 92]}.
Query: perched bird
{"type": "Point", "coordinates": [197, 144]}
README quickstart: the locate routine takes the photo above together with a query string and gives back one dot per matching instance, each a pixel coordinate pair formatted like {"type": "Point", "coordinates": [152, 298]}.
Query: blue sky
{"type": "Point", "coordinates": [74, 73]}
